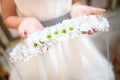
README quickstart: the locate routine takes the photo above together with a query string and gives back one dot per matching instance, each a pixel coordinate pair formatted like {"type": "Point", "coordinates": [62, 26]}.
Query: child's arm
{"type": "Point", "coordinates": [76, 1]}
{"type": "Point", "coordinates": [9, 14]}
{"type": "Point", "coordinates": [24, 25]}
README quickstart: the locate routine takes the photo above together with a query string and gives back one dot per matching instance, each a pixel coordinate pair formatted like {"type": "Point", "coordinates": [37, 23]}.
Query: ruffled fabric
{"type": "Point", "coordinates": [76, 59]}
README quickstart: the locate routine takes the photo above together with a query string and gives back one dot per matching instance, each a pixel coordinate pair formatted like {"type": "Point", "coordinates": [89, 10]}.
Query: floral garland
{"type": "Point", "coordinates": [40, 41]}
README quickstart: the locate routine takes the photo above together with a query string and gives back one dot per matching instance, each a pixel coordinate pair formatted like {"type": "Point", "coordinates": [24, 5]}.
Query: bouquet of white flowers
{"type": "Point", "coordinates": [40, 41]}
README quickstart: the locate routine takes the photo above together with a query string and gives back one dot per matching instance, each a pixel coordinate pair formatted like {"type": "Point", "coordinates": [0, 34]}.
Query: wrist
{"type": "Point", "coordinates": [77, 2]}
{"type": "Point", "coordinates": [26, 20]}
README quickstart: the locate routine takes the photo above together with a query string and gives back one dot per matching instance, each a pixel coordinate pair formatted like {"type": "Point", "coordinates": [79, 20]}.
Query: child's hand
{"type": "Point", "coordinates": [79, 9]}
{"type": "Point", "coordinates": [29, 25]}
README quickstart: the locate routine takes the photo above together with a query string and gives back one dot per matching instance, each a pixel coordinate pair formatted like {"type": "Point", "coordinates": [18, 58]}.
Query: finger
{"type": "Point", "coordinates": [22, 34]}
{"type": "Point", "coordinates": [25, 34]}
{"type": "Point", "coordinates": [84, 32]}
{"type": "Point", "coordinates": [95, 30]}
{"type": "Point", "coordinates": [91, 31]}
{"type": "Point", "coordinates": [85, 12]}
{"type": "Point", "coordinates": [99, 10]}
{"type": "Point", "coordinates": [96, 10]}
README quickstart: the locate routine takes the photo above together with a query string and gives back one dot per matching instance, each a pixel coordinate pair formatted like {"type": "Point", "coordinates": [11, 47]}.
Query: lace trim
{"type": "Point", "coordinates": [40, 41]}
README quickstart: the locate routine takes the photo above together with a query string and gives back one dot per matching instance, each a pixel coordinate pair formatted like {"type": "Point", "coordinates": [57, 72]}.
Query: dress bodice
{"type": "Point", "coordinates": [43, 9]}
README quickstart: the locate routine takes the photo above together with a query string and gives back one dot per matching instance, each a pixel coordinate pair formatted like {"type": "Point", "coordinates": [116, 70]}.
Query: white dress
{"type": "Point", "coordinates": [76, 59]}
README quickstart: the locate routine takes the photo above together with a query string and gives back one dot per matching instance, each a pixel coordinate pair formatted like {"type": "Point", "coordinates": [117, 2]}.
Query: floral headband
{"type": "Point", "coordinates": [40, 41]}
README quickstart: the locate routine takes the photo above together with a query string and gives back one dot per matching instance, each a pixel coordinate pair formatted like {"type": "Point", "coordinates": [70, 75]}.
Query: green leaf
{"type": "Point", "coordinates": [64, 31]}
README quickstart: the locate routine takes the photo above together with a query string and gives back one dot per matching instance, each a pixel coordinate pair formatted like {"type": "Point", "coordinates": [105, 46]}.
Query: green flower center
{"type": "Point", "coordinates": [56, 33]}
{"type": "Point", "coordinates": [71, 28]}
{"type": "Point", "coordinates": [64, 31]}
{"type": "Point", "coordinates": [41, 42]}
{"type": "Point", "coordinates": [35, 45]}
{"type": "Point", "coordinates": [48, 36]}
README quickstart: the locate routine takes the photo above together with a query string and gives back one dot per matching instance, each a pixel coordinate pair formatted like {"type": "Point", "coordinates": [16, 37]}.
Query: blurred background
{"type": "Point", "coordinates": [9, 37]}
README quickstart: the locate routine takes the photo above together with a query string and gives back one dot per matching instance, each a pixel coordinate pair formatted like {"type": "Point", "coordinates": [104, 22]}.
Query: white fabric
{"type": "Point", "coordinates": [76, 59]}
{"type": "Point", "coordinates": [43, 9]}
